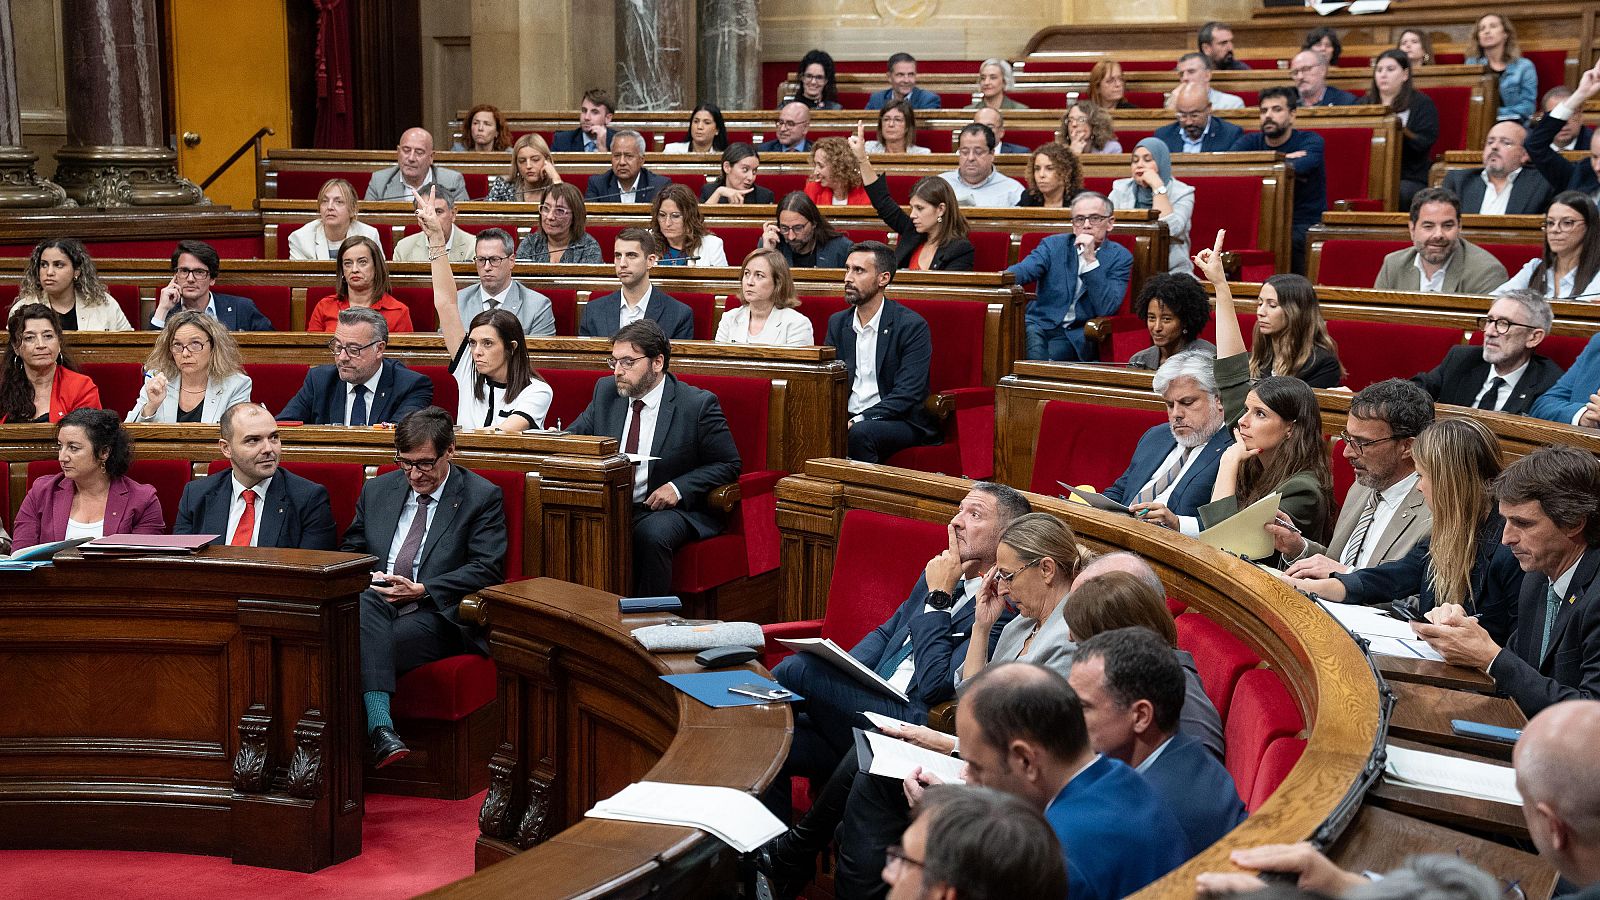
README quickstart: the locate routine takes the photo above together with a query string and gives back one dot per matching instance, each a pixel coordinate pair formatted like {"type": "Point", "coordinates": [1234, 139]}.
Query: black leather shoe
{"type": "Point", "coordinates": [785, 875]}
{"type": "Point", "coordinates": [387, 747]}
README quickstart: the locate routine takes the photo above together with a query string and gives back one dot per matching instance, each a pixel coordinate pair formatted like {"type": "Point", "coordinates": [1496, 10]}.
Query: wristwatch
{"type": "Point", "coordinates": [1162, 190]}
{"type": "Point", "coordinates": [940, 599]}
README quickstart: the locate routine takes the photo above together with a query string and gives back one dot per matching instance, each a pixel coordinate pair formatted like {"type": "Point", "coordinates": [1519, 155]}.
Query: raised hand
{"type": "Point", "coordinates": [770, 236]}
{"type": "Point", "coordinates": [990, 603]}
{"type": "Point", "coordinates": [427, 217]}
{"type": "Point", "coordinates": [168, 298]}
{"type": "Point", "coordinates": [1209, 260]}
{"type": "Point", "coordinates": [155, 391]}
{"type": "Point", "coordinates": [944, 570]}
{"type": "Point", "coordinates": [858, 143]}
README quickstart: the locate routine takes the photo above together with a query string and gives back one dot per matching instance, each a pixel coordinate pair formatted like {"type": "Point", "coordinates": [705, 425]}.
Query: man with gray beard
{"type": "Point", "coordinates": [1506, 185]}
{"type": "Point", "coordinates": [1505, 374]}
{"type": "Point", "coordinates": [1174, 465]}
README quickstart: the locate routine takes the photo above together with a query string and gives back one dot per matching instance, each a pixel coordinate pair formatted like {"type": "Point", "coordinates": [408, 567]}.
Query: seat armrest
{"type": "Point", "coordinates": [943, 717]}
{"type": "Point", "coordinates": [474, 609]}
{"type": "Point", "coordinates": [946, 403]}
{"type": "Point", "coordinates": [776, 652]}
{"type": "Point", "coordinates": [724, 498]}
{"type": "Point", "coordinates": [1101, 329]}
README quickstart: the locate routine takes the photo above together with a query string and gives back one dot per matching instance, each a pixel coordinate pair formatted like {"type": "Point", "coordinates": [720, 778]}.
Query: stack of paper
{"type": "Point", "coordinates": [835, 655]}
{"type": "Point", "coordinates": [1245, 533]}
{"type": "Point", "coordinates": [1386, 635]}
{"type": "Point", "coordinates": [734, 817]}
{"type": "Point", "coordinates": [894, 758]}
{"type": "Point", "coordinates": [1451, 775]}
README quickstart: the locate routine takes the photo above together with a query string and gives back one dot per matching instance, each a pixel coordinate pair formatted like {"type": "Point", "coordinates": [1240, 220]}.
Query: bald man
{"type": "Point", "coordinates": [1310, 73]}
{"type": "Point", "coordinates": [414, 168]}
{"type": "Point", "coordinates": [794, 124]}
{"type": "Point", "coordinates": [1559, 780]}
{"type": "Point", "coordinates": [1197, 130]}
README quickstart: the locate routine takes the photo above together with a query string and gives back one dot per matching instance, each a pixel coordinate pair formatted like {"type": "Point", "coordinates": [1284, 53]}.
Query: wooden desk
{"type": "Point", "coordinates": [1434, 674]}
{"type": "Point", "coordinates": [1423, 712]}
{"type": "Point", "coordinates": [205, 704]}
{"type": "Point", "coordinates": [587, 715]}
{"type": "Point", "coordinates": [1379, 840]}
{"type": "Point", "coordinates": [1467, 813]}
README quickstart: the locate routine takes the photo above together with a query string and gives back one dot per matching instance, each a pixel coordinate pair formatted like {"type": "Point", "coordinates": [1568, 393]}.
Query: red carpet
{"type": "Point", "coordinates": [408, 846]}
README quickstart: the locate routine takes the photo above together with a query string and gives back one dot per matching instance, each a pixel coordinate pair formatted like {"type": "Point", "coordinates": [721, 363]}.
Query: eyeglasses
{"type": "Point", "coordinates": [1007, 577]}
{"type": "Point", "coordinates": [191, 273]}
{"type": "Point", "coordinates": [622, 362]}
{"type": "Point", "coordinates": [809, 77]}
{"type": "Point", "coordinates": [1361, 447]}
{"type": "Point", "coordinates": [897, 857]}
{"type": "Point", "coordinates": [1563, 226]}
{"type": "Point", "coordinates": [1091, 221]}
{"type": "Point", "coordinates": [353, 351]}
{"type": "Point", "coordinates": [791, 123]}
{"type": "Point", "coordinates": [490, 260]}
{"type": "Point", "coordinates": [425, 465]}
{"type": "Point", "coordinates": [192, 347]}
{"type": "Point", "coordinates": [555, 212]}
{"type": "Point", "coordinates": [1491, 325]}
{"type": "Point", "coordinates": [794, 230]}
{"type": "Point", "coordinates": [670, 216]}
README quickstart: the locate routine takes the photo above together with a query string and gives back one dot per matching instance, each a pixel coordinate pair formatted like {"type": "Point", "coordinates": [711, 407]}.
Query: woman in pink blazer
{"type": "Point", "coordinates": [93, 496]}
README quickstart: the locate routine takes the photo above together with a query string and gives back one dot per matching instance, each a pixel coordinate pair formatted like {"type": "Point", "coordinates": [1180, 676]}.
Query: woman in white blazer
{"type": "Point", "coordinates": [193, 374]}
{"type": "Point", "coordinates": [337, 209]}
{"type": "Point", "coordinates": [768, 316]}
{"type": "Point", "coordinates": [61, 275]}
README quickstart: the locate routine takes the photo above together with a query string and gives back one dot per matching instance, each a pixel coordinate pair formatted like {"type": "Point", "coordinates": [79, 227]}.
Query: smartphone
{"type": "Point", "coordinates": [380, 578]}
{"type": "Point", "coordinates": [761, 691]}
{"type": "Point", "coordinates": [1466, 728]}
{"type": "Point", "coordinates": [1405, 612]}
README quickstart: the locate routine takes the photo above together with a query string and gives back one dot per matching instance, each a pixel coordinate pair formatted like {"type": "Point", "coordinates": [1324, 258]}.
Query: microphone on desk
{"type": "Point", "coordinates": [678, 261]}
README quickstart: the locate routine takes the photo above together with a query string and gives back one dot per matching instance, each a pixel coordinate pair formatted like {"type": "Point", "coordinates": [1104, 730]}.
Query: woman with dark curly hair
{"type": "Point", "coordinates": [1324, 42]}
{"type": "Point", "coordinates": [40, 383]}
{"type": "Point", "coordinates": [1086, 128]}
{"type": "Point", "coordinates": [61, 275]}
{"type": "Point", "coordinates": [92, 496]}
{"type": "Point", "coordinates": [1175, 310]}
{"type": "Point", "coordinates": [1055, 176]}
{"type": "Point", "coordinates": [818, 87]}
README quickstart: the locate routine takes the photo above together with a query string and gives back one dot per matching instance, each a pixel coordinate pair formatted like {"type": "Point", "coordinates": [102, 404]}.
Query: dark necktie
{"type": "Point", "coordinates": [492, 304]}
{"type": "Point", "coordinates": [631, 445]}
{"type": "Point", "coordinates": [1492, 394]}
{"type": "Point", "coordinates": [358, 408]}
{"type": "Point", "coordinates": [405, 562]}
{"type": "Point", "coordinates": [1552, 609]}
{"type": "Point", "coordinates": [891, 663]}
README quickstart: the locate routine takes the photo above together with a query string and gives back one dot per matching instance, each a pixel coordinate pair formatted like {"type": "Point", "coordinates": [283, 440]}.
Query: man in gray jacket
{"type": "Point", "coordinates": [495, 259]}
{"type": "Point", "coordinates": [1440, 260]}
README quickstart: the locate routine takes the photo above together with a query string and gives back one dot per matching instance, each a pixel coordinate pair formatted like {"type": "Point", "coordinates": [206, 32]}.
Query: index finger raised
{"type": "Point", "coordinates": [1221, 233]}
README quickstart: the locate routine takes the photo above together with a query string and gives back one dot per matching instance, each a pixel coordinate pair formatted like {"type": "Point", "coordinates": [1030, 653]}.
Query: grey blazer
{"type": "Point", "coordinates": [219, 396]}
{"type": "Point", "coordinates": [386, 184]}
{"type": "Point", "coordinates": [1412, 522]}
{"type": "Point", "coordinates": [530, 307]}
{"type": "Point", "coordinates": [1052, 647]}
{"type": "Point", "coordinates": [1471, 270]}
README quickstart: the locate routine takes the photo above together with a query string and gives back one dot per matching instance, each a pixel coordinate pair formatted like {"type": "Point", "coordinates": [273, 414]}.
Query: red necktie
{"type": "Point", "coordinates": [631, 445]}
{"type": "Point", "coordinates": [246, 529]}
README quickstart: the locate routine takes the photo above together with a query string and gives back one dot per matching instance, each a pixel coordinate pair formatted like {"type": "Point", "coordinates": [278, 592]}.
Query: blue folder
{"type": "Point", "coordinates": [711, 688]}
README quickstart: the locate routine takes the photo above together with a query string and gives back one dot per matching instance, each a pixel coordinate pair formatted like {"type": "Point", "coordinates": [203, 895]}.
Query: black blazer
{"type": "Point", "coordinates": [295, 512]}
{"type": "Point", "coordinates": [1571, 668]}
{"type": "Point", "coordinates": [758, 194]}
{"type": "Point", "coordinates": [603, 188]}
{"type": "Point", "coordinates": [1322, 369]}
{"type": "Point", "coordinates": [238, 313]}
{"type": "Point", "coordinates": [1562, 173]}
{"type": "Point", "coordinates": [905, 353]}
{"type": "Point", "coordinates": [1462, 373]}
{"type": "Point", "coordinates": [1221, 137]}
{"type": "Point", "coordinates": [828, 256]}
{"type": "Point", "coordinates": [465, 549]}
{"type": "Point", "coordinates": [1416, 150]}
{"type": "Point", "coordinates": [320, 400]}
{"type": "Point", "coordinates": [602, 316]}
{"type": "Point", "coordinates": [693, 447]}
{"type": "Point", "coordinates": [1530, 193]}
{"type": "Point", "coordinates": [572, 141]}
{"type": "Point", "coordinates": [955, 256]}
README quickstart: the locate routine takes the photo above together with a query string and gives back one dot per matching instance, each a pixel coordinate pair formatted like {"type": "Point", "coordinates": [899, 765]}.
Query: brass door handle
{"type": "Point", "coordinates": [191, 139]}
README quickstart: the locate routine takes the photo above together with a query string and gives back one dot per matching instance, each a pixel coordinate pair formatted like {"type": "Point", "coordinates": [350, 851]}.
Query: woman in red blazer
{"type": "Point", "coordinates": [93, 496]}
{"type": "Point", "coordinates": [40, 382]}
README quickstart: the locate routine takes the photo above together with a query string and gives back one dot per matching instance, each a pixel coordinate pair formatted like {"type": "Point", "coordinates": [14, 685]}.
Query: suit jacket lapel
{"type": "Point", "coordinates": [378, 411]}
{"type": "Point", "coordinates": [220, 506]}
{"type": "Point", "coordinates": [664, 415]}
{"type": "Point", "coordinates": [884, 324]}
{"type": "Point", "coordinates": [116, 520]}
{"type": "Point", "coordinates": [273, 518]}
{"type": "Point", "coordinates": [1218, 443]}
{"type": "Point", "coordinates": [1583, 584]}
{"type": "Point", "coordinates": [384, 517]}
{"type": "Point", "coordinates": [449, 505]}
{"type": "Point", "coordinates": [1399, 523]}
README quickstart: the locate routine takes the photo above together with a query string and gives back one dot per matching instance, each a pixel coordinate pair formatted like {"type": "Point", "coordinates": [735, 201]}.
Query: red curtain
{"type": "Point", "coordinates": [335, 123]}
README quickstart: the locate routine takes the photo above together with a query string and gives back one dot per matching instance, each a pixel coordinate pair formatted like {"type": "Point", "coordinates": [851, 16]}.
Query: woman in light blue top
{"type": "Point", "coordinates": [1494, 44]}
{"type": "Point", "coordinates": [1153, 187]}
{"type": "Point", "coordinates": [193, 374]}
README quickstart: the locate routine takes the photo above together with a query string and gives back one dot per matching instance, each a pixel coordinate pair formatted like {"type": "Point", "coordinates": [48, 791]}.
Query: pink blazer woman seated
{"type": "Point", "coordinates": [131, 508]}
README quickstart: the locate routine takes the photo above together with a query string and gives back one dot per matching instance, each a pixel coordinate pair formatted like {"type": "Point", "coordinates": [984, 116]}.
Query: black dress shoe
{"type": "Point", "coordinates": [785, 871]}
{"type": "Point", "coordinates": [387, 747]}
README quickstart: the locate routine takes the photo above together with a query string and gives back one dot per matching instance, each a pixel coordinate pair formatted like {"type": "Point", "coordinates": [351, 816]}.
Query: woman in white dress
{"type": "Point", "coordinates": [497, 388]}
{"type": "Point", "coordinates": [337, 208]}
{"type": "Point", "coordinates": [193, 374]}
{"type": "Point", "coordinates": [768, 315]}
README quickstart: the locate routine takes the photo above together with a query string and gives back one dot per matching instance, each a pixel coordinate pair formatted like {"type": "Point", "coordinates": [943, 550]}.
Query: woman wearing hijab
{"type": "Point", "coordinates": [1153, 187]}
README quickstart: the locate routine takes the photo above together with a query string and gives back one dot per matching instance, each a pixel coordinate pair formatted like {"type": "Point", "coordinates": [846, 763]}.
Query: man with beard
{"type": "Point", "coordinates": [1384, 514]}
{"type": "Point", "coordinates": [888, 383]}
{"type": "Point", "coordinates": [1303, 151]}
{"type": "Point", "coordinates": [1197, 130]}
{"type": "Point", "coordinates": [1441, 260]}
{"type": "Point", "coordinates": [679, 442]}
{"type": "Point", "coordinates": [1215, 40]}
{"type": "Point", "coordinates": [1505, 185]}
{"type": "Point", "coordinates": [1505, 374]}
{"type": "Point", "coordinates": [1174, 465]}
{"type": "Point", "coordinates": [1310, 73]}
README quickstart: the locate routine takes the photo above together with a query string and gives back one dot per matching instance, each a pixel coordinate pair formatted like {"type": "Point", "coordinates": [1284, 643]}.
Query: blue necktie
{"type": "Point", "coordinates": [358, 409]}
{"type": "Point", "coordinates": [891, 663]}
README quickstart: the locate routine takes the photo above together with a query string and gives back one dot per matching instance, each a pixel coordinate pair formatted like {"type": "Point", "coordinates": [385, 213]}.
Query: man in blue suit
{"type": "Point", "coordinates": [903, 86]}
{"type": "Point", "coordinates": [794, 124]}
{"type": "Point", "coordinates": [1081, 276]}
{"type": "Point", "coordinates": [635, 253]}
{"type": "Point", "coordinates": [628, 181]}
{"type": "Point", "coordinates": [1575, 398]}
{"type": "Point", "coordinates": [1197, 130]}
{"type": "Point", "coordinates": [194, 270]}
{"type": "Point", "coordinates": [1175, 465]}
{"type": "Point", "coordinates": [593, 134]}
{"type": "Point", "coordinates": [1562, 173]}
{"type": "Point", "coordinates": [254, 503]}
{"type": "Point", "coordinates": [1132, 689]}
{"type": "Point", "coordinates": [360, 388]}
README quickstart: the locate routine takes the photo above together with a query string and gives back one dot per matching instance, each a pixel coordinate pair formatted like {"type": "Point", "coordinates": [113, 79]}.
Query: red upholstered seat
{"type": "Point", "coordinates": [606, 237]}
{"type": "Point", "coordinates": [1551, 66]}
{"type": "Point", "coordinates": [1348, 155]}
{"type": "Point", "coordinates": [738, 242]}
{"type": "Point", "coordinates": [694, 181]}
{"type": "Point", "coordinates": [564, 304]}
{"type": "Point", "coordinates": [1086, 443]}
{"type": "Point", "coordinates": [304, 185]}
{"type": "Point", "coordinates": [274, 384]}
{"type": "Point", "coordinates": [513, 490]}
{"type": "Point", "coordinates": [1275, 766]}
{"type": "Point", "coordinates": [1563, 348]}
{"type": "Point", "coordinates": [781, 184]}
{"type": "Point", "coordinates": [1373, 351]}
{"type": "Point", "coordinates": [989, 250]}
{"type": "Point", "coordinates": [1176, 607]}
{"type": "Point", "coordinates": [1220, 657]}
{"type": "Point", "coordinates": [477, 185]}
{"type": "Point", "coordinates": [573, 389]}
{"type": "Point", "coordinates": [445, 392]}
{"type": "Point", "coordinates": [1513, 256]}
{"type": "Point", "coordinates": [1343, 475]}
{"type": "Point", "coordinates": [900, 186]}
{"type": "Point", "coordinates": [119, 383]}
{"type": "Point", "coordinates": [879, 558]}
{"type": "Point", "coordinates": [420, 301]}
{"type": "Point", "coordinates": [1030, 138]}
{"type": "Point", "coordinates": [1146, 99]}
{"type": "Point", "coordinates": [704, 307]}
{"type": "Point", "coordinates": [272, 299]}
{"type": "Point", "coordinates": [448, 689]}
{"type": "Point", "coordinates": [967, 448]}
{"type": "Point", "coordinates": [1453, 103]}
{"type": "Point", "coordinates": [476, 227]}
{"type": "Point", "coordinates": [127, 297]}
{"type": "Point", "coordinates": [1262, 712]}
{"type": "Point", "coordinates": [1353, 263]}
{"type": "Point", "coordinates": [1232, 202]}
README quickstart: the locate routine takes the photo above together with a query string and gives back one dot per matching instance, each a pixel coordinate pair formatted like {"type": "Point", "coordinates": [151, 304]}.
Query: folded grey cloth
{"type": "Point", "coordinates": [680, 638]}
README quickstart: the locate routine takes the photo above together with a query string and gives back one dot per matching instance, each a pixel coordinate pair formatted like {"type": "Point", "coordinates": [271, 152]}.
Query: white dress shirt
{"type": "Point", "coordinates": [1431, 284]}
{"type": "Point", "coordinates": [1389, 500]}
{"type": "Point", "coordinates": [236, 509]}
{"type": "Point", "coordinates": [1494, 202]}
{"type": "Point", "coordinates": [626, 314]}
{"type": "Point", "coordinates": [996, 190]}
{"type": "Point", "coordinates": [1506, 390]}
{"type": "Point", "coordinates": [908, 667]}
{"type": "Point", "coordinates": [1567, 290]}
{"type": "Point", "coordinates": [626, 194]}
{"type": "Point", "coordinates": [864, 389]}
{"type": "Point", "coordinates": [408, 511]}
{"type": "Point", "coordinates": [647, 439]}
{"type": "Point", "coordinates": [371, 385]}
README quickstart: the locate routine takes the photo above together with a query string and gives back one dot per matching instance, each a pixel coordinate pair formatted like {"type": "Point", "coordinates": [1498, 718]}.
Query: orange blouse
{"type": "Point", "coordinates": [822, 195]}
{"type": "Point", "coordinates": [325, 316]}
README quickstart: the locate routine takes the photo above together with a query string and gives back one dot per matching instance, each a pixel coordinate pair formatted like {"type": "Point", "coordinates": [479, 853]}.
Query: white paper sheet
{"type": "Point", "coordinates": [1412, 649]}
{"type": "Point", "coordinates": [1451, 775]}
{"type": "Point", "coordinates": [1366, 7]}
{"type": "Point", "coordinates": [894, 758]}
{"type": "Point", "coordinates": [734, 817]}
{"type": "Point", "coordinates": [836, 656]}
{"type": "Point", "coordinates": [1365, 620]}
{"type": "Point", "coordinates": [1328, 9]}
{"type": "Point", "coordinates": [883, 721]}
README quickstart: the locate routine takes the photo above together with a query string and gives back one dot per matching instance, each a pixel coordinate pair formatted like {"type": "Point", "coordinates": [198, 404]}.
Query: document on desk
{"type": "Point", "coordinates": [894, 758]}
{"type": "Point", "coordinates": [1093, 498]}
{"type": "Point", "coordinates": [1386, 635]}
{"type": "Point", "coordinates": [1451, 775]}
{"type": "Point", "coordinates": [834, 655]}
{"type": "Point", "coordinates": [883, 721]}
{"type": "Point", "coordinates": [1368, 7]}
{"type": "Point", "coordinates": [734, 817]}
{"type": "Point", "coordinates": [1245, 533]}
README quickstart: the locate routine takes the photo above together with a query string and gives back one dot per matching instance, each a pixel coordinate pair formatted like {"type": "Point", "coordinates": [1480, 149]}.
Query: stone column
{"type": "Point", "coordinates": [655, 54]}
{"type": "Point", "coordinates": [116, 154]}
{"type": "Point", "coordinates": [730, 53]}
{"type": "Point", "coordinates": [20, 186]}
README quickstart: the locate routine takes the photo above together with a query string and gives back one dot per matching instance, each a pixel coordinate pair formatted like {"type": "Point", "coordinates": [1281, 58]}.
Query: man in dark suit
{"type": "Point", "coordinates": [794, 123]}
{"type": "Point", "coordinates": [593, 134]}
{"type": "Point", "coordinates": [680, 445]}
{"type": "Point", "coordinates": [887, 352]}
{"type": "Point", "coordinates": [628, 181]}
{"type": "Point", "coordinates": [194, 270]}
{"type": "Point", "coordinates": [635, 253]}
{"type": "Point", "coordinates": [438, 533]}
{"type": "Point", "coordinates": [1562, 173]}
{"type": "Point", "coordinates": [255, 503]}
{"type": "Point", "coordinates": [360, 388]}
{"type": "Point", "coordinates": [1575, 134]}
{"type": "Point", "coordinates": [1551, 503]}
{"type": "Point", "coordinates": [1132, 689]}
{"type": "Point", "coordinates": [1519, 189]}
{"type": "Point", "coordinates": [1174, 465]}
{"type": "Point", "coordinates": [1197, 130]}
{"type": "Point", "coordinates": [1505, 374]}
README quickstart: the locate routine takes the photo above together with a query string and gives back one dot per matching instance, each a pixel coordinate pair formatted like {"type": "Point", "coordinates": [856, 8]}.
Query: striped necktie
{"type": "Point", "coordinates": [1358, 538]}
{"type": "Point", "coordinates": [1552, 609]}
{"type": "Point", "coordinates": [1163, 481]}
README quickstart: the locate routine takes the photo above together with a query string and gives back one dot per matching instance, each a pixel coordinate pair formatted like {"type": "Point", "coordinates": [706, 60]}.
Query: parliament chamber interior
{"type": "Point", "coordinates": [405, 406]}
